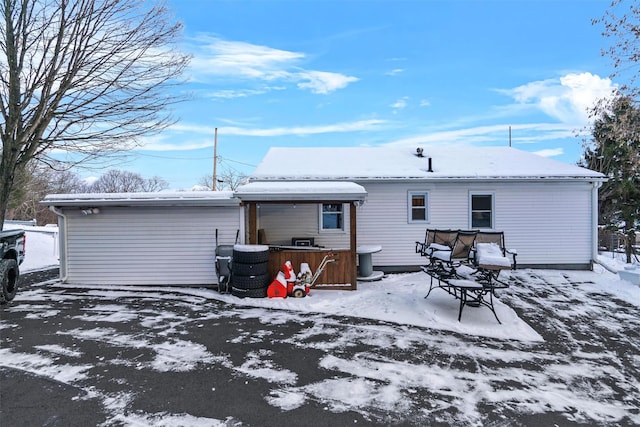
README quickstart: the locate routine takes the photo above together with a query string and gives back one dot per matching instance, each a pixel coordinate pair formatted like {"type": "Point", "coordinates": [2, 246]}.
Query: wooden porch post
{"type": "Point", "coordinates": [253, 223]}
{"type": "Point", "coordinates": [354, 259]}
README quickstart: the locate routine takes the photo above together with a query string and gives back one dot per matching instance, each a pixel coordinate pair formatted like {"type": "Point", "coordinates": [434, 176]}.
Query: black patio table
{"type": "Point", "coordinates": [468, 292]}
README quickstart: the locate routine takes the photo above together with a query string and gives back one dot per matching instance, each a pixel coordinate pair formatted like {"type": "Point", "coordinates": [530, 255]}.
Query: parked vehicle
{"type": "Point", "coordinates": [13, 243]}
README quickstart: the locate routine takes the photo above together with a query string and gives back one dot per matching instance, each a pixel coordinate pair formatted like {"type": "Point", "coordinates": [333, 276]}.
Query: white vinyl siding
{"type": "Point", "coordinates": [547, 223]}
{"type": "Point", "coordinates": [147, 246]}
{"type": "Point", "coordinates": [382, 220]}
{"type": "Point", "coordinates": [281, 222]}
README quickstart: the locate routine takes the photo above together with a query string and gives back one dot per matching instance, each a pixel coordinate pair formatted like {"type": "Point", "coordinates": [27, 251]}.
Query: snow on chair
{"type": "Point", "coordinates": [443, 262]}
{"type": "Point", "coordinates": [436, 240]}
{"type": "Point", "coordinates": [460, 251]}
{"type": "Point", "coordinates": [490, 256]}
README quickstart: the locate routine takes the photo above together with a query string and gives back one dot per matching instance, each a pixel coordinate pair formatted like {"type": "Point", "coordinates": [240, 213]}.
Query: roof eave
{"type": "Point", "coordinates": [302, 197]}
{"type": "Point", "coordinates": [436, 178]}
{"type": "Point", "coordinates": [141, 202]}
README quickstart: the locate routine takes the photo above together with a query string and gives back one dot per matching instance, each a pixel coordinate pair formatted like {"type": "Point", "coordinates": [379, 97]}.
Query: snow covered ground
{"type": "Point", "coordinates": [392, 299]}
{"type": "Point", "coordinates": [567, 348]}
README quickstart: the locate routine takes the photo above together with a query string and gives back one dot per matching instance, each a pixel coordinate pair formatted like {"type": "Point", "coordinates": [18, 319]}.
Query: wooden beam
{"type": "Point", "coordinates": [253, 223]}
{"type": "Point", "coordinates": [354, 242]}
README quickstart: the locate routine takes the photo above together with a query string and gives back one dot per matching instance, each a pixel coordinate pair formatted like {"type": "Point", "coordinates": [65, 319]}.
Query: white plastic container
{"type": "Point", "coordinates": [630, 274]}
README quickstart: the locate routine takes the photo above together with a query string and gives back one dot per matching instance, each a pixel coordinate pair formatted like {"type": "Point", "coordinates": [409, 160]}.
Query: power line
{"type": "Point", "coordinates": [195, 158]}
{"type": "Point", "coordinates": [174, 158]}
{"type": "Point", "coordinates": [235, 161]}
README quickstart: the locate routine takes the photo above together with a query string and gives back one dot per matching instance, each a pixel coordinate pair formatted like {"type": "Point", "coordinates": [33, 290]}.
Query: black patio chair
{"type": "Point", "coordinates": [436, 240]}
{"type": "Point", "coordinates": [443, 262]}
{"type": "Point", "coordinates": [490, 257]}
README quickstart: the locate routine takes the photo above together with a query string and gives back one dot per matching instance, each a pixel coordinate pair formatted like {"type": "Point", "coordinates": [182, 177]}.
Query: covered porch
{"type": "Point", "coordinates": [287, 216]}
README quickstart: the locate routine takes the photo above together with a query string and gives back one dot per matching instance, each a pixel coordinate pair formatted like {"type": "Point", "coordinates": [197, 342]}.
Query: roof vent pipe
{"type": "Point", "coordinates": [429, 163]}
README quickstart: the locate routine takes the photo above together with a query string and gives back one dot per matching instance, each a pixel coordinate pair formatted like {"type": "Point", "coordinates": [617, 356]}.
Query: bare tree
{"type": "Point", "coordinates": [118, 181]}
{"type": "Point", "coordinates": [155, 183]}
{"type": "Point", "coordinates": [85, 77]}
{"type": "Point", "coordinates": [229, 179]}
{"type": "Point", "coordinates": [621, 22]}
{"type": "Point", "coordinates": [33, 185]}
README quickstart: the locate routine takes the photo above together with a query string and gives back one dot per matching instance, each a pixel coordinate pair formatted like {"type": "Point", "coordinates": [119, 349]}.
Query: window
{"type": "Point", "coordinates": [418, 206]}
{"type": "Point", "coordinates": [482, 211]}
{"type": "Point", "coordinates": [332, 217]}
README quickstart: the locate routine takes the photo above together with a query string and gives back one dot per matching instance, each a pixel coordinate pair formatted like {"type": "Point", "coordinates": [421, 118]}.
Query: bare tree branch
{"type": "Point", "coordinates": [85, 77]}
{"type": "Point", "coordinates": [118, 181]}
{"type": "Point", "coordinates": [228, 179]}
{"type": "Point", "coordinates": [621, 27]}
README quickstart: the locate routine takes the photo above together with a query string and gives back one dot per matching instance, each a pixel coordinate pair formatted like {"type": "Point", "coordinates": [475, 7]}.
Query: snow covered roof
{"type": "Point", "coordinates": [301, 191]}
{"type": "Point", "coordinates": [447, 162]}
{"type": "Point", "coordinates": [182, 198]}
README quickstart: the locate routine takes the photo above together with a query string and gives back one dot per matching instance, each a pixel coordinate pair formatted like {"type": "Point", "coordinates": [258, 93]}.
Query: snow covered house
{"type": "Point", "coordinates": [547, 209]}
{"type": "Point", "coordinates": [308, 202]}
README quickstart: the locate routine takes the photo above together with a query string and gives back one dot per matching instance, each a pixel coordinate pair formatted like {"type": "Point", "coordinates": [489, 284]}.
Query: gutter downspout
{"type": "Point", "coordinates": [62, 237]}
{"type": "Point", "coordinates": [594, 221]}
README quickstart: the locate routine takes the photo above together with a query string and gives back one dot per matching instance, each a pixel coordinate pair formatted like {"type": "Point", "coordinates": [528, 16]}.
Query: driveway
{"type": "Point", "coordinates": [73, 356]}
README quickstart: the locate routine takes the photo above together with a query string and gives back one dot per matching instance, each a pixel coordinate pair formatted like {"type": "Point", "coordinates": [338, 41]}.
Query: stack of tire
{"type": "Point", "coordinates": [250, 271]}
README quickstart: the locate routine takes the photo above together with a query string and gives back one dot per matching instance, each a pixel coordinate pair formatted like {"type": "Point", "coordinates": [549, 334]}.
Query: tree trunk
{"type": "Point", "coordinates": [631, 240]}
{"type": "Point", "coordinates": [6, 184]}
{"type": "Point", "coordinates": [85, 77]}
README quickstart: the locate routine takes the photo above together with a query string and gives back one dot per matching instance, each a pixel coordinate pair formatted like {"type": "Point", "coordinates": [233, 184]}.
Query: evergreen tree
{"type": "Point", "coordinates": [615, 151]}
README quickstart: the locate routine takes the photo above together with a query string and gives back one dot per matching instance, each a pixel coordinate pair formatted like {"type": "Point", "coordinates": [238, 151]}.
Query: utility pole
{"type": "Point", "coordinates": [215, 160]}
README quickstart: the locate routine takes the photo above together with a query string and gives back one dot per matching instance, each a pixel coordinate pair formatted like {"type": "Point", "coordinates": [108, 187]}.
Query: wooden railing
{"type": "Point", "coordinates": [336, 275]}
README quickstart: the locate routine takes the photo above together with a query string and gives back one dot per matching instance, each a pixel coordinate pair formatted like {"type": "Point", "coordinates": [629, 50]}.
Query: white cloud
{"type": "Point", "coordinates": [213, 56]}
{"type": "Point", "coordinates": [400, 104]}
{"type": "Point", "coordinates": [178, 142]}
{"type": "Point", "coordinates": [497, 134]}
{"type": "Point", "coordinates": [395, 72]}
{"type": "Point", "coordinates": [425, 103]}
{"type": "Point", "coordinates": [567, 99]}
{"type": "Point", "coordinates": [202, 136]}
{"type": "Point", "coordinates": [231, 94]}
{"type": "Point", "coordinates": [241, 93]}
{"type": "Point", "coordinates": [362, 125]}
{"type": "Point", "coordinates": [322, 82]}
{"type": "Point", "coordinates": [232, 58]}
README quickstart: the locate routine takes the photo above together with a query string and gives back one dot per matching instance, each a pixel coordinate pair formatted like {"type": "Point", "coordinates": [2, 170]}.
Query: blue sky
{"type": "Point", "coordinates": [350, 73]}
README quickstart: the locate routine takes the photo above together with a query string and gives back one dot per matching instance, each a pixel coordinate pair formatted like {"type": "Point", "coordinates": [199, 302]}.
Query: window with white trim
{"type": "Point", "coordinates": [332, 217]}
{"type": "Point", "coordinates": [481, 211]}
{"type": "Point", "coordinates": [418, 206]}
